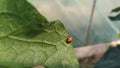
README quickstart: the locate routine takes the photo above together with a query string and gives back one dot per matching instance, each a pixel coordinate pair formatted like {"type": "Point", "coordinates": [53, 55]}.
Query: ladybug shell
{"type": "Point", "coordinates": [69, 39]}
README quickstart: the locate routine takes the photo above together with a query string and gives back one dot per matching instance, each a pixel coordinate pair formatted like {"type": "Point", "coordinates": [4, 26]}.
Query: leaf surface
{"type": "Point", "coordinates": [27, 39]}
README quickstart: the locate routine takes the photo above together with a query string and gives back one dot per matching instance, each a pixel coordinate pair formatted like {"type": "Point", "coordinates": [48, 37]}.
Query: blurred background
{"type": "Point", "coordinates": [75, 16]}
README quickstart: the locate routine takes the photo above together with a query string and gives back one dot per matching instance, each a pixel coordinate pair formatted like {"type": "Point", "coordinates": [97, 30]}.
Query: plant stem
{"type": "Point", "coordinates": [90, 23]}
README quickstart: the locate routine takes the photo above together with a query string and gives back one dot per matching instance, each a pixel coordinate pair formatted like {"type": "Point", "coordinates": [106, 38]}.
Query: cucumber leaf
{"type": "Point", "coordinates": [27, 39]}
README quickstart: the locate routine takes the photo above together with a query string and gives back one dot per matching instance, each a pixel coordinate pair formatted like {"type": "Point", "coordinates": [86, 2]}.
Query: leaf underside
{"type": "Point", "coordinates": [27, 39]}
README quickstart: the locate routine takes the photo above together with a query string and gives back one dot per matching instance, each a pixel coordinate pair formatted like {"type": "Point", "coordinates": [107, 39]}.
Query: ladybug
{"type": "Point", "coordinates": [69, 39]}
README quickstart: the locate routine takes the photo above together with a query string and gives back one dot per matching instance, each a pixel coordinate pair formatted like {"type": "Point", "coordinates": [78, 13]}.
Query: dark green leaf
{"type": "Point", "coordinates": [115, 18]}
{"type": "Point", "coordinates": [116, 9]}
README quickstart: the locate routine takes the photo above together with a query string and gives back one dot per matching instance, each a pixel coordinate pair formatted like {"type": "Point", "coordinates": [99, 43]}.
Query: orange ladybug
{"type": "Point", "coordinates": [69, 39]}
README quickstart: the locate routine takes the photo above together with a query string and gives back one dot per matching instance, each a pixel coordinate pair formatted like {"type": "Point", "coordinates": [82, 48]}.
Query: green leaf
{"type": "Point", "coordinates": [115, 18]}
{"type": "Point", "coordinates": [119, 35]}
{"type": "Point", "coordinates": [116, 9]}
{"type": "Point", "coordinates": [27, 39]}
{"type": "Point", "coordinates": [19, 14]}
{"type": "Point", "coordinates": [111, 59]}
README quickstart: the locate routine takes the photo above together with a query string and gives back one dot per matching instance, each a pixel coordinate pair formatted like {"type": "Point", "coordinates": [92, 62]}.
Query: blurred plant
{"type": "Point", "coordinates": [117, 17]}
{"type": "Point", "coordinates": [111, 57]}
{"type": "Point", "coordinates": [116, 9]}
